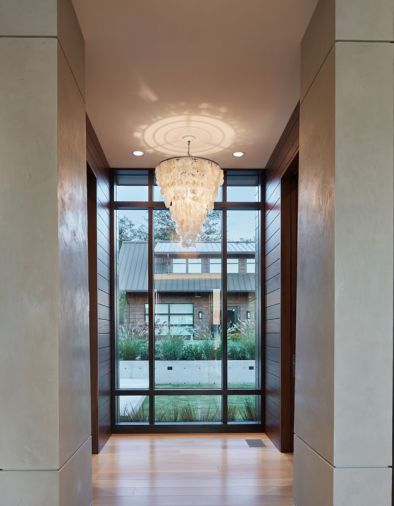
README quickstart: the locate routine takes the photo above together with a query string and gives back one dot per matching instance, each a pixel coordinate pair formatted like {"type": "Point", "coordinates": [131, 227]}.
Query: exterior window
{"type": "Point", "coordinates": [233, 265]}
{"type": "Point", "coordinates": [250, 266]}
{"type": "Point", "coordinates": [187, 339]}
{"type": "Point", "coordinates": [179, 265]}
{"type": "Point", "coordinates": [177, 319]}
{"type": "Point", "coordinates": [215, 265]}
{"type": "Point", "coordinates": [194, 266]}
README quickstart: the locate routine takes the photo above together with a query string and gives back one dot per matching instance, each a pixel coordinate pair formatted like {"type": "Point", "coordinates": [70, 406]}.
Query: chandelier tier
{"type": "Point", "coordinates": [189, 185]}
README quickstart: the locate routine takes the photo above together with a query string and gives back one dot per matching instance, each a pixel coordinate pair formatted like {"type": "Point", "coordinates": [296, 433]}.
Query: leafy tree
{"type": "Point", "coordinates": [212, 227]}
{"type": "Point", "coordinates": [129, 231]}
{"type": "Point", "coordinates": [164, 228]}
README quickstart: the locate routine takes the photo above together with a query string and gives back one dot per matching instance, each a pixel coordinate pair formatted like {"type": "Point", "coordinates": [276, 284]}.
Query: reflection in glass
{"type": "Point", "coordinates": [243, 408]}
{"type": "Point", "coordinates": [188, 408]}
{"type": "Point", "coordinates": [187, 306]}
{"type": "Point", "coordinates": [132, 299]}
{"type": "Point", "coordinates": [132, 409]}
{"type": "Point", "coordinates": [242, 289]}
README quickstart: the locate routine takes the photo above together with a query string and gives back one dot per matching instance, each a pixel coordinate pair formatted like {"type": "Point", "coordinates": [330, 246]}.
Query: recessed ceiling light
{"type": "Point", "coordinates": [137, 152]}
{"type": "Point", "coordinates": [238, 154]}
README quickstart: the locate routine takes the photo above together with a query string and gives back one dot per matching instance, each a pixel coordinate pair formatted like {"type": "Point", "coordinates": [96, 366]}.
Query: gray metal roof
{"type": "Point", "coordinates": [133, 275]}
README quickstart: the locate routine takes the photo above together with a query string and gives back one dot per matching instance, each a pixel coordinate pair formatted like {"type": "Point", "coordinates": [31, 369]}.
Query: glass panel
{"type": "Point", "coordinates": [188, 408]}
{"type": "Point", "coordinates": [194, 265]}
{"type": "Point", "coordinates": [157, 196]}
{"type": "Point", "coordinates": [232, 266]}
{"type": "Point", "coordinates": [132, 409]}
{"type": "Point", "coordinates": [251, 266]}
{"type": "Point", "coordinates": [244, 408]}
{"type": "Point", "coordinates": [161, 308]}
{"type": "Point", "coordinates": [180, 319]}
{"type": "Point", "coordinates": [131, 185]}
{"type": "Point", "coordinates": [215, 265]}
{"type": "Point", "coordinates": [132, 300]}
{"type": "Point", "coordinates": [188, 346]}
{"type": "Point", "coordinates": [181, 308]}
{"type": "Point", "coordinates": [242, 290]}
{"type": "Point", "coordinates": [179, 265]}
{"type": "Point", "coordinates": [219, 196]}
{"type": "Point", "coordinates": [243, 186]}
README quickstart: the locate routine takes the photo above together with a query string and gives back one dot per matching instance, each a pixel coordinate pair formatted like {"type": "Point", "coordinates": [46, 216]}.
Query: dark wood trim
{"type": "Point", "coordinates": [289, 216]}
{"type": "Point", "coordinates": [190, 391]}
{"type": "Point", "coordinates": [100, 247]}
{"type": "Point", "coordinates": [190, 428]}
{"type": "Point", "coordinates": [262, 301]}
{"type": "Point", "coordinates": [224, 306]}
{"type": "Point", "coordinates": [112, 250]}
{"type": "Point", "coordinates": [160, 205]}
{"type": "Point", "coordinates": [92, 263]}
{"type": "Point", "coordinates": [278, 363]}
{"type": "Point", "coordinates": [286, 149]}
{"type": "Point", "coordinates": [151, 337]}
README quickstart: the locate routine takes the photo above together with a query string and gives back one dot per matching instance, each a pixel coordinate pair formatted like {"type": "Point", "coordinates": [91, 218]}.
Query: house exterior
{"type": "Point", "coordinates": [188, 285]}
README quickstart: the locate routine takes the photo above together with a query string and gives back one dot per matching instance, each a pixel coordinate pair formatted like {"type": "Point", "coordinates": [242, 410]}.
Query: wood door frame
{"type": "Point", "coordinates": [289, 225]}
{"type": "Point", "coordinates": [93, 323]}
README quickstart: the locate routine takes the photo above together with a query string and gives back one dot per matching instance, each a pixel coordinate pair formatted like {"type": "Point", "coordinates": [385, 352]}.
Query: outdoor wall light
{"type": "Point", "coordinates": [248, 315]}
{"type": "Point", "coordinates": [200, 315]}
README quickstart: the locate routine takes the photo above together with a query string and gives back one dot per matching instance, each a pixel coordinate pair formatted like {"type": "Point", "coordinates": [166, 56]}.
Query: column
{"type": "Point", "coordinates": [45, 441]}
{"type": "Point", "coordinates": [344, 366]}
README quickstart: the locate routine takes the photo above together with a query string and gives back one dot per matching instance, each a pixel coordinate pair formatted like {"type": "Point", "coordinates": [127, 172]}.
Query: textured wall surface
{"type": "Point", "coordinates": [45, 440]}
{"type": "Point", "coordinates": [29, 254]}
{"type": "Point", "coordinates": [74, 384]}
{"type": "Point", "coordinates": [344, 368]}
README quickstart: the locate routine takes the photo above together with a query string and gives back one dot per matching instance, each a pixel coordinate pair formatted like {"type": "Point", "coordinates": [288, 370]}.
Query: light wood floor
{"type": "Point", "coordinates": [191, 470]}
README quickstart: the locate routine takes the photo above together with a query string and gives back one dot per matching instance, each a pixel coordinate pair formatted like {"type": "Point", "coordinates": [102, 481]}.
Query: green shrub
{"type": "Point", "coordinates": [202, 333]}
{"type": "Point", "coordinates": [244, 349]}
{"type": "Point", "coordinates": [209, 351]}
{"type": "Point", "coordinates": [133, 414]}
{"type": "Point", "coordinates": [170, 348]}
{"type": "Point", "coordinates": [132, 348]}
{"type": "Point", "coordinates": [248, 411]}
{"type": "Point", "coordinates": [193, 351]}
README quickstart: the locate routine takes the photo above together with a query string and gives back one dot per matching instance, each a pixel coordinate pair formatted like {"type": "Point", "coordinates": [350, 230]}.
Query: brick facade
{"type": "Point", "coordinates": [135, 306]}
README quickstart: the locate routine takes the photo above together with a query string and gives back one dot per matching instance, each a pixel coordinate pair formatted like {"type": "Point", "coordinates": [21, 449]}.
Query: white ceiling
{"type": "Point", "coordinates": [224, 71]}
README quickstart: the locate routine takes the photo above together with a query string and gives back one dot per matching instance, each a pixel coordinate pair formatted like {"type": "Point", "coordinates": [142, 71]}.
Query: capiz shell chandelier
{"type": "Point", "coordinates": [189, 185]}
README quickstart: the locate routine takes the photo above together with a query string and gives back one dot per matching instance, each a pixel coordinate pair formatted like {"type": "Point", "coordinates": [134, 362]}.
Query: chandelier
{"type": "Point", "coordinates": [189, 185]}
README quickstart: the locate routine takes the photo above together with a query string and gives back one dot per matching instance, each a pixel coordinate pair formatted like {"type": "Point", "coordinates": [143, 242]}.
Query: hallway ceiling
{"type": "Point", "coordinates": [223, 71]}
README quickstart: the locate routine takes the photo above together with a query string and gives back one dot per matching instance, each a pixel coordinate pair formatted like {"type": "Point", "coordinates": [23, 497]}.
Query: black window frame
{"type": "Point", "coordinates": [225, 392]}
{"type": "Point", "coordinates": [169, 313]}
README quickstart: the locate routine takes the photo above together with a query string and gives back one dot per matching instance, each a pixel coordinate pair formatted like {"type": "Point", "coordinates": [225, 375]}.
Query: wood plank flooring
{"type": "Point", "coordinates": [191, 470]}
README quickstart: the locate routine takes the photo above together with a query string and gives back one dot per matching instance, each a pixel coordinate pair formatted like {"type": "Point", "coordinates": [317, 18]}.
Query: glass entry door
{"type": "Point", "coordinates": [180, 359]}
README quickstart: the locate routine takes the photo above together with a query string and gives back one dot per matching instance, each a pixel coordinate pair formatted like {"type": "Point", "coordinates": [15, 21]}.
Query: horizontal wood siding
{"type": "Point", "coordinates": [284, 153]}
{"type": "Point", "coordinates": [102, 368]}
